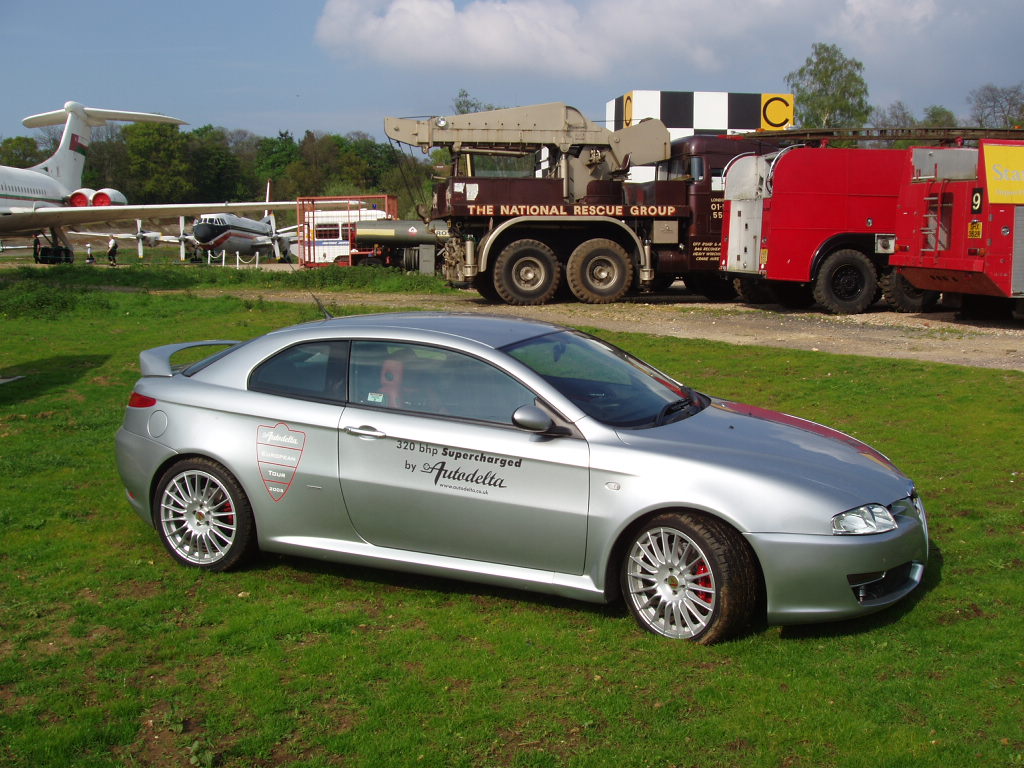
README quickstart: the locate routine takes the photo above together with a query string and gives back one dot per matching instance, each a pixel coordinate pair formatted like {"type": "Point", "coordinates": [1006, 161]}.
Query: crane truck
{"type": "Point", "coordinates": [572, 218]}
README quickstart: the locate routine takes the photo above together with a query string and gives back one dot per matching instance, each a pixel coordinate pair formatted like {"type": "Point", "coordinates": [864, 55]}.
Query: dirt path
{"type": "Point", "coordinates": [935, 336]}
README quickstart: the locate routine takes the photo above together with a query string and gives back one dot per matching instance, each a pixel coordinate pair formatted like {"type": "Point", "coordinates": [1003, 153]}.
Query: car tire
{"type": "Point", "coordinates": [527, 273]}
{"type": "Point", "coordinates": [203, 516]}
{"type": "Point", "coordinates": [689, 577]}
{"type": "Point", "coordinates": [847, 283]}
{"type": "Point", "coordinates": [599, 271]}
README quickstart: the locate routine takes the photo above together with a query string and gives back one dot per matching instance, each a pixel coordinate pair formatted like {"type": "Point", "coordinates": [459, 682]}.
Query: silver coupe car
{"type": "Point", "coordinates": [521, 454]}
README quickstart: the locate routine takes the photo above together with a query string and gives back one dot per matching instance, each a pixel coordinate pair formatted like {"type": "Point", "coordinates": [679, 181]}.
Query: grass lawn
{"type": "Point", "coordinates": [111, 654]}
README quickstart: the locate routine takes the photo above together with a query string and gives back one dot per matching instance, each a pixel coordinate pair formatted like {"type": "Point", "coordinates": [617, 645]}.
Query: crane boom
{"type": "Point", "coordinates": [557, 127]}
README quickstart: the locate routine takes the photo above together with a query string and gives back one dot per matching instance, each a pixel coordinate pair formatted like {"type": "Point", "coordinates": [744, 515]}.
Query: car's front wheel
{"type": "Point", "coordinates": [203, 516]}
{"type": "Point", "coordinates": [690, 577]}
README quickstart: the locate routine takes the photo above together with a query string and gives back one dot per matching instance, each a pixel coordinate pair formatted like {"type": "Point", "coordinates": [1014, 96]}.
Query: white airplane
{"type": "Point", "coordinates": [50, 195]}
{"type": "Point", "coordinates": [237, 234]}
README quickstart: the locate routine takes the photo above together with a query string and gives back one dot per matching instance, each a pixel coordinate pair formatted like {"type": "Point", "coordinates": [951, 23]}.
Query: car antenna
{"type": "Point", "coordinates": [327, 315]}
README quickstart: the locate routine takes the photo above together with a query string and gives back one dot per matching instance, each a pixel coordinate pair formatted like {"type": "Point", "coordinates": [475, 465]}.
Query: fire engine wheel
{"type": "Point", "coordinates": [846, 283]}
{"type": "Point", "coordinates": [689, 577]}
{"type": "Point", "coordinates": [902, 296]}
{"type": "Point", "coordinates": [203, 516]}
{"type": "Point", "coordinates": [599, 272]}
{"type": "Point", "coordinates": [792, 295]}
{"type": "Point", "coordinates": [526, 273]}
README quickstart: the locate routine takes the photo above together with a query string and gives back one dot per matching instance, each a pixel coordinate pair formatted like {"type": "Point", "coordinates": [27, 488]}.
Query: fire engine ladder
{"type": "Point", "coordinates": [934, 236]}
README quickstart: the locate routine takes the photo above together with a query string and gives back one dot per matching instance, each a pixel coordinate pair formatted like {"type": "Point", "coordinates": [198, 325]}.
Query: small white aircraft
{"type": "Point", "coordinates": [237, 234]}
{"type": "Point", "coordinates": [50, 195]}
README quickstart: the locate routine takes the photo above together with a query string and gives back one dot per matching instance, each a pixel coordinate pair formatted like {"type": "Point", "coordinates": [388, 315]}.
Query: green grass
{"type": "Point", "coordinates": [111, 654]}
{"type": "Point", "coordinates": [162, 270]}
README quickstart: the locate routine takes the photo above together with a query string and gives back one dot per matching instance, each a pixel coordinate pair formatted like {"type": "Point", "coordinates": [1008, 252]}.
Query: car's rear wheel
{"type": "Point", "coordinates": [203, 516]}
{"type": "Point", "coordinates": [689, 577]}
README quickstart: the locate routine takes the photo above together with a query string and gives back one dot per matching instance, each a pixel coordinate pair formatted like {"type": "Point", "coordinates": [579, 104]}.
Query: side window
{"type": "Point", "coordinates": [439, 382]}
{"type": "Point", "coordinates": [312, 371]}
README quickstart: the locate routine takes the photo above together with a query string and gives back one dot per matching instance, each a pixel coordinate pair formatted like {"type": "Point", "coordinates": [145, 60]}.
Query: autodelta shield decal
{"type": "Point", "coordinates": [278, 452]}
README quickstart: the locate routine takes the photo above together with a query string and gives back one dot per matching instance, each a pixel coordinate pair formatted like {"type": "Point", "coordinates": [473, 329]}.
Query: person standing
{"type": "Point", "coordinates": [88, 254]}
{"type": "Point", "coordinates": [36, 245]}
{"type": "Point", "coordinates": [112, 251]}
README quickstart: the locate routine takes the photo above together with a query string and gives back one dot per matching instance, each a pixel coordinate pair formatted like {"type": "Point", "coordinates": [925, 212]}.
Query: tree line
{"type": "Point", "coordinates": [156, 163]}
{"type": "Point", "coordinates": [830, 92]}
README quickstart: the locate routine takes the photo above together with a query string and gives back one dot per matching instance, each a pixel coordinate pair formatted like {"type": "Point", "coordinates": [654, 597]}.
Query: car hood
{"type": "Point", "coordinates": [783, 449]}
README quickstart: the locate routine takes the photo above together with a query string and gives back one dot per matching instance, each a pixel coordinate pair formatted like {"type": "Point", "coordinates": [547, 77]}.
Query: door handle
{"type": "Point", "coordinates": [364, 431]}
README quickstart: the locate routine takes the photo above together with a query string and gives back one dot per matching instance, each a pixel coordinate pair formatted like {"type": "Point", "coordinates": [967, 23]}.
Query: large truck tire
{"type": "Point", "coordinates": [599, 271]}
{"type": "Point", "coordinates": [847, 283]}
{"type": "Point", "coordinates": [526, 273]}
{"type": "Point", "coordinates": [901, 295]}
{"type": "Point", "coordinates": [484, 285]}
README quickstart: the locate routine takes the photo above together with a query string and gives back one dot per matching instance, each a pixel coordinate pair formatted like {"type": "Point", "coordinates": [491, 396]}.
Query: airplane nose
{"type": "Point", "coordinates": [205, 233]}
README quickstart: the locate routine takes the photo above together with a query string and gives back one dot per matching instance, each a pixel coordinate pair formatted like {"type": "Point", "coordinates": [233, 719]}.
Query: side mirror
{"type": "Point", "coordinates": [532, 419]}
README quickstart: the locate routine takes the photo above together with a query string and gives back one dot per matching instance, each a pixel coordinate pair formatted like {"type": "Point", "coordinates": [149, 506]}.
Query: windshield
{"type": "Point", "coordinates": [606, 383]}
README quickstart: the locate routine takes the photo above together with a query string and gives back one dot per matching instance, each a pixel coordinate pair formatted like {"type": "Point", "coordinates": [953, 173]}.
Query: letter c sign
{"type": "Point", "coordinates": [776, 110]}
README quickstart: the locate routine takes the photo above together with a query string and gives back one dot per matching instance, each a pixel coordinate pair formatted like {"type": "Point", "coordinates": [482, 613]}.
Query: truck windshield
{"type": "Point", "coordinates": [606, 383]}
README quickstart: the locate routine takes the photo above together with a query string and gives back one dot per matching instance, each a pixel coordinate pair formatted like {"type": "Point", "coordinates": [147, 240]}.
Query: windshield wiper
{"type": "Point", "coordinates": [672, 408]}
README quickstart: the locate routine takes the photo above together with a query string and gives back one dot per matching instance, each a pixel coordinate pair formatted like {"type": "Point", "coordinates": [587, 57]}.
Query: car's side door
{"type": "Point", "coordinates": [294, 404]}
{"type": "Point", "coordinates": [431, 462]}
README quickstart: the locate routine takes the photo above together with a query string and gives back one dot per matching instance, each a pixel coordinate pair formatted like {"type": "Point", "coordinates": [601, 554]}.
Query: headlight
{"type": "Point", "coordinates": [871, 518]}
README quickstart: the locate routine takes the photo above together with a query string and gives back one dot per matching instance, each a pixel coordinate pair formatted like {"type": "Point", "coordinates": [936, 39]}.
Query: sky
{"type": "Point", "coordinates": [343, 65]}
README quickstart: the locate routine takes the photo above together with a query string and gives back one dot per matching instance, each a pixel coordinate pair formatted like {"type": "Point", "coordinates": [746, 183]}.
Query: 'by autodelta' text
{"type": "Point", "coordinates": [440, 471]}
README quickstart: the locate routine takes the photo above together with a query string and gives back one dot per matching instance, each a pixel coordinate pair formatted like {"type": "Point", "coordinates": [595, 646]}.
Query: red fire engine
{"type": "Point", "coordinates": [812, 224]}
{"type": "Point", "coordinates": [960, 228]}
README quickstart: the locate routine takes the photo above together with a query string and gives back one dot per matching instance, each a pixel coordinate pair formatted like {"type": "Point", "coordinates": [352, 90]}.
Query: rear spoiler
{"type": "Point", "coordinates": [157, 361]}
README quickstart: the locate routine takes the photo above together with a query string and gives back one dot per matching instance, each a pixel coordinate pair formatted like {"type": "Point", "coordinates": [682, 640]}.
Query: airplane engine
{"type": "Point", "coordinates": [108, 196]}
{"type": "Point", "coordinates": [81, 198]}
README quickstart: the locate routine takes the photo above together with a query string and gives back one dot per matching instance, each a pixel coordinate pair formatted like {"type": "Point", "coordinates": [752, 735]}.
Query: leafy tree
{"type": "Point", "coordinates": [465, 104]}
{"type": "Point", "coordinates": [274, 156]}
{"type": "Point", "coordinates": [829, 90]}
{"type": "Point", "coordinates": [158, 171]}
{"type": "Point", "coordinates": [938, 117]}
{"type": "Point", "coordinates": [107, 165]}
{"type": "Point", "coordinates": [244, 145]}
{"type": "Point", "coordinates": [214, 171]}
{"type": "Point", "coordinates": [995, 107]}
{"type": "Point", "coordinates": [20, 152]}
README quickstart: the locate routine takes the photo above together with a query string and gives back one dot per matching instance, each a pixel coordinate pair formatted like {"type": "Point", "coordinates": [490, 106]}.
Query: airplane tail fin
{"type": "Point", "coordinates": [67, 163]}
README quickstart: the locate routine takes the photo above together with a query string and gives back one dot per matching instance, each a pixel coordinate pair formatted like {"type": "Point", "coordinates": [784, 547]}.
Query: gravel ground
{"type": "Point", "coordinates": [934, 336]}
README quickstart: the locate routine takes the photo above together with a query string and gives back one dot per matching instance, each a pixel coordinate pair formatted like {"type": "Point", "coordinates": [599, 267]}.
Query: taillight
{"type": "Point", "coordinates": [141, 401]}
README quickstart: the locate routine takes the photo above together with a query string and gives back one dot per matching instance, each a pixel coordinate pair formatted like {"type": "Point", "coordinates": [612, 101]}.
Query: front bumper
{"type": "Point", "coordinates": [829, 578]}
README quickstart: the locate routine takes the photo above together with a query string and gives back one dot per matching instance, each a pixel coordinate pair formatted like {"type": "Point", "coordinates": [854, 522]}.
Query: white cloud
{"type": "Point", "coordinates": [878, 24]}
{"type": "Point", "coordinates": [558, 38]}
